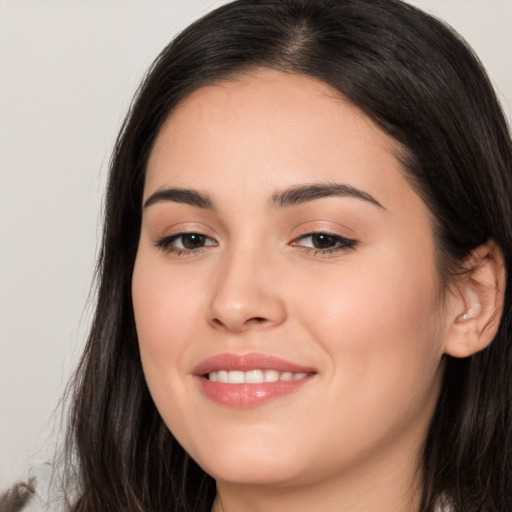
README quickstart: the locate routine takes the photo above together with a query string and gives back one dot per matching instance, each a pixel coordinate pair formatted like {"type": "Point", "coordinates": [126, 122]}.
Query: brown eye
{"type": "Point", "coordinates": [192, 240]}
{"type": "Point", "coordinates": [185, 243]}
{"type": "Point", "coordinates": [324, 242]}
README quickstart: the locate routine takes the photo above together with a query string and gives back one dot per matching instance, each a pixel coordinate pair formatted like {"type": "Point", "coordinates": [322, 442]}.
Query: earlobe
{"type": "Point", "coordinates": [477, 303]}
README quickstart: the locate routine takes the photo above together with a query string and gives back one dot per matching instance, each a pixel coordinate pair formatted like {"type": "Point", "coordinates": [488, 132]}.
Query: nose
{"type": "Point", "coordinates": [245, 295]}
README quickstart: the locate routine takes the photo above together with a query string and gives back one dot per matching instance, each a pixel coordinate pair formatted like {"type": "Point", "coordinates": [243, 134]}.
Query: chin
{"type": "Point", "coordinates": [242, 467]}
{"type": "Point", "coordinates": [263, 474]}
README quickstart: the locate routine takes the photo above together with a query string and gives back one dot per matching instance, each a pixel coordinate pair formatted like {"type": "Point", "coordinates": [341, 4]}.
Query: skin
{"type": "Point", "coordinates": [369, 318]}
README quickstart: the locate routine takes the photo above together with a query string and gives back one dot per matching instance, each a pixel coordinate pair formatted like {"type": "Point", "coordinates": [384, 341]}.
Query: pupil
{"type": "Point", "coordinates": [193, 241]}
{"type": "Point", "coordinates": [323, 241]}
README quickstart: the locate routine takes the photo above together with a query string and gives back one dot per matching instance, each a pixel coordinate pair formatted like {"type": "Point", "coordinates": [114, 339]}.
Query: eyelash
{"type": "Point", "coordinates": [165, 244]}
{"type": "Point", "coordinates": [342, 243]}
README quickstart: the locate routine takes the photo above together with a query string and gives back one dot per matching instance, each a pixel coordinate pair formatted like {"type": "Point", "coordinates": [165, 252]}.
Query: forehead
{"type": "Point", "coordinates": [297, 100]}
{"type": "Point", "coordinates": [272, 128]}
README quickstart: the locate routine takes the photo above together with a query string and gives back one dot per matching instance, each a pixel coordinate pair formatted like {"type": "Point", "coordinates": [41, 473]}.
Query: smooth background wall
{"type": "Point", "coordinates": [68, 71]}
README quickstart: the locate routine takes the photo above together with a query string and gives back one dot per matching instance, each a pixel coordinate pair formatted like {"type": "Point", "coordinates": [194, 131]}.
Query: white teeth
{"type": "Point", "coordinates": [236, 377]}
{"type": "Point", "coordinates": [253, 376]}
{"type": "Point", "coordinates": [222, 376]}
{"type": "Point", "coordinates": [271, 376]}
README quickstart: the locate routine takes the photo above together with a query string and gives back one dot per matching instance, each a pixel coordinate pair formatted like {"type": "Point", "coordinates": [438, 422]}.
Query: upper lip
{"type": "Point", "coordinates": [248, 362]}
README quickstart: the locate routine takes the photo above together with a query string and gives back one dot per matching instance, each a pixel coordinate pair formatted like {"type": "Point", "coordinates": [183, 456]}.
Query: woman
{"type": "Point", "coordinates": [302, 298]}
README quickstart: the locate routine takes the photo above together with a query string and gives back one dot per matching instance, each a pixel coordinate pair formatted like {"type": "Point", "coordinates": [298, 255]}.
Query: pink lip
{"type": "Point", "coordinates": [247, 362]}
{"type": "Point", "coordinates": [249, 395]}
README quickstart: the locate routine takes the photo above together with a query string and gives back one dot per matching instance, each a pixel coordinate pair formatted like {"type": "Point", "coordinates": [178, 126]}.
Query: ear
{"type": "Point", "coordinates": [476, 303]}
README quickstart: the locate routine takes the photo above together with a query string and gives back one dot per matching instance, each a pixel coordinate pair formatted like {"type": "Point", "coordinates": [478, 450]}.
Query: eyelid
{"type": "Point", "coordinates": [341, 238]}
{"type": "Point", "coordinates": [163, 229]}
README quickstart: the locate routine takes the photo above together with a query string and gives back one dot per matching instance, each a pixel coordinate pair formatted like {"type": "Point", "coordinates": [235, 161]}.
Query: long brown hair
{"type": "Point", "coordinates": [421, 83]}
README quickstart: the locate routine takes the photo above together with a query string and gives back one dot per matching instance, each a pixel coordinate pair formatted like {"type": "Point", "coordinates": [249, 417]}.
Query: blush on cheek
{"type": "Point", "coordinates": [386, 312]}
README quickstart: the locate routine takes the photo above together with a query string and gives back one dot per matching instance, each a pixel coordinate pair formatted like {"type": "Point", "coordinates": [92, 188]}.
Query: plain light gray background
{"type": "Point", "coordinates": [68, 71]}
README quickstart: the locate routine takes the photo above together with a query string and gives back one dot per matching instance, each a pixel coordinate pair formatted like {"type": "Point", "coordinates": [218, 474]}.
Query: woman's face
{"type": "Point", "coordinates": [285, 288]}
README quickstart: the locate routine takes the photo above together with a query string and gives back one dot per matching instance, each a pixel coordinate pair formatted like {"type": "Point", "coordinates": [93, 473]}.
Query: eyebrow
{"type": "Point", "coordinates": [306, 193]}
{"type": "Point", "coordinates": [289, 197]}
{"type": "Point", "coordinates": [180, 195]}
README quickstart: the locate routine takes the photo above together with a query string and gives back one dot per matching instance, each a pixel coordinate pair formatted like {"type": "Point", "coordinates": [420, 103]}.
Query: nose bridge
{"type": "Point", "coordinates": [244, 294]}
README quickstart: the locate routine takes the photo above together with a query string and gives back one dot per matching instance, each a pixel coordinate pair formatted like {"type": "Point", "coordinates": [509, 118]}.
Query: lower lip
{"type": "Point", "coordinates": [249, 395]}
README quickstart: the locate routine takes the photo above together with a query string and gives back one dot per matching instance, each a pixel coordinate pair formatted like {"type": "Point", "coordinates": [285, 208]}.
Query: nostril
{"type": "Point", "coordinates": [256, 320]}
{"type": "Point", "coordinates": [240, 324]}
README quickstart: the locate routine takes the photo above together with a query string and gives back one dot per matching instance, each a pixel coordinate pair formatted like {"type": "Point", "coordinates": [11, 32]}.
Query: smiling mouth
{"type": "Point", "coordinates": [250, 380]}
{"type": "Point", "coordinates": [257, 376]}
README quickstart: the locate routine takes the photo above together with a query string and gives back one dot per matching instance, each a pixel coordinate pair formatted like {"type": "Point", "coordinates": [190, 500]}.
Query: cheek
{"type": "Point", "coordinates": [167, 309]}
{"type": "Point", "coordinates": [379, 320]}
{"type": "Point", "coordinates": [380, 330]}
